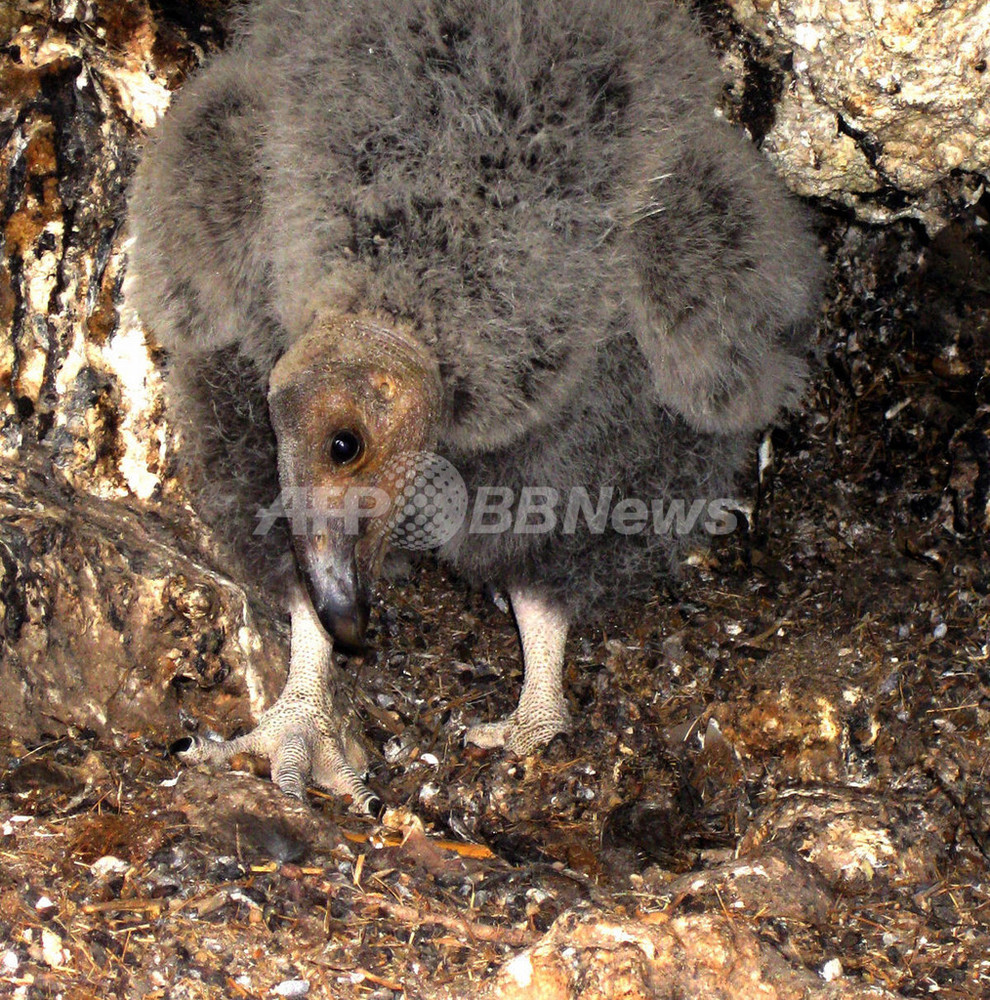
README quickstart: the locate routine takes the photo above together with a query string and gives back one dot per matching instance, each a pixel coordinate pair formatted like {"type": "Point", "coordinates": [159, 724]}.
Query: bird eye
{"type": "Point", "coordinates": [345, 446]}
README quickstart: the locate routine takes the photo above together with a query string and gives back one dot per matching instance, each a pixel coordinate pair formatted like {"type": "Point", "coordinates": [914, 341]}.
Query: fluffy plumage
{"type": "Point", "coordinates": [604, 279]}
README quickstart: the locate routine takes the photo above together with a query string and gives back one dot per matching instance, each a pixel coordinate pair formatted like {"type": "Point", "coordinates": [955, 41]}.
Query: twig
{"type": "Point", "coordinates": [125, 906]}
{"type": "Point", "coordinates": [458, 925]}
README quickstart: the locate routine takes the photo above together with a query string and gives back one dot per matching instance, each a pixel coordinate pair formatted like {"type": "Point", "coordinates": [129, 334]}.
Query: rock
{"type": "Point", "coordinates": [768, 884]}
{"type": "Point", "coordinates": [250, 817]}
{"type": "Point", "coordinates": [853, 838]}
{"type": "Point", "coordinates": [114, 614]}
{"type": "Point", "coordinates": [112, 617]}
{"type": "Point", "coordinates": [79, 381]}
{"type": "Point", "coordinates": [700, 955]}
{"type": "Point", "coordinates": [882, 98]}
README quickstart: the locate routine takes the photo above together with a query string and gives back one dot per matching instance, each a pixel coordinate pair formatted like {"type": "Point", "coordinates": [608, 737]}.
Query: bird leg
{"type": "Point", "coordinates": [302, 734]}
{"type": "Point", "coordinates": [542, 711]}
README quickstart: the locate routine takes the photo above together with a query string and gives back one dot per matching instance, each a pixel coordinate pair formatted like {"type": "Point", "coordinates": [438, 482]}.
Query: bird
{"type": "Point", "coordinates": [515, 236]}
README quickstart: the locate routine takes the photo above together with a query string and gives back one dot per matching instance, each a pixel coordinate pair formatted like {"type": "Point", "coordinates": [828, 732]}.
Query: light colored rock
{"type": "Point", "coordinates": [884, 95]}
{"type": "Point", "coordinates": [594, 957]}
{"type": "Point", "coordinates": [113, 618]}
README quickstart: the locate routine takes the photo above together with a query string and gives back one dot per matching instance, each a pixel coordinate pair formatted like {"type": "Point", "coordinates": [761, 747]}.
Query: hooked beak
{"type": "Point", "coordinates": [335, 587]}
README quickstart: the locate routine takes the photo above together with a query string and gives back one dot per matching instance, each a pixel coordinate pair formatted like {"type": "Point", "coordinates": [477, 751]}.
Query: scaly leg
{"type": "Point", "coordinates": [542, 711]}
{"type": "Point", "coordinates": [302, 734]}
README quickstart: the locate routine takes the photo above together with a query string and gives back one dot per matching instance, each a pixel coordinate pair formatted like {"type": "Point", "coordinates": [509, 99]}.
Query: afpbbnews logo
{"type": "Point", "coordinates": [428, 503]}
{"type": "Point", "coordinates": [541, 509]}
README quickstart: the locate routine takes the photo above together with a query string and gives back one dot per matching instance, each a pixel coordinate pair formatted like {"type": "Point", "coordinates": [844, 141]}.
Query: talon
{"type": "Point", "coordinates": [372, 805]}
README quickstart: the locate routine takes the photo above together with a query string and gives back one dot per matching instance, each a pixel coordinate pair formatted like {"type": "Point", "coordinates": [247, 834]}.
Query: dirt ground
{"type": "Point", "coordinates": [775, 787]}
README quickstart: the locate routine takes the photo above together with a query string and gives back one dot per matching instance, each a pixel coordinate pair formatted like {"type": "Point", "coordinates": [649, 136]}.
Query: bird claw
{"type": "Point", "coordinates": [303, 743]}
{"type": "Point", "coordinates": [519, 733]}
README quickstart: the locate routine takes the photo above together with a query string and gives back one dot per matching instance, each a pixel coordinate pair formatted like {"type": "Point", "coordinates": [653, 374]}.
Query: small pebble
{"type": "Point", "coordinates": [108, 865]}
{"type": "Point", "coordinates": [831, 970]}
{"type": "Point", "coordinates": [395, 750]}
{"type": "Point", "coordinates": [52, 952]}
{"type": "Point", "coordinates": [292, 988]}
{"type": "Point", "coordinates": [428, 793]}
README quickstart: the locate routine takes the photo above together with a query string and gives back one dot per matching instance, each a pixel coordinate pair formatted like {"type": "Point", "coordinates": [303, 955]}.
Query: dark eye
{"type": "Point", "coordinates": [345, 446]}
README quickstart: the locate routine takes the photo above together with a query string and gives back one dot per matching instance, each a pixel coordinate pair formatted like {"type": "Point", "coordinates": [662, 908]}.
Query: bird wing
{"type": "Point", "coordinates": [725, 276]}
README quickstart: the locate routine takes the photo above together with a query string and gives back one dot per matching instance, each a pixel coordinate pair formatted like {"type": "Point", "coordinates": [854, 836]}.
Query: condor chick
{"type": "Point", "coordinates": [511, 232]}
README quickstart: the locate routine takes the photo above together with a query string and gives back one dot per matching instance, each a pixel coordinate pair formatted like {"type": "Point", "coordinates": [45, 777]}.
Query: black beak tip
{"type": "Point", "coordinates": [347, 626]}
{"type": "Point", "coordinates": [335, 587]}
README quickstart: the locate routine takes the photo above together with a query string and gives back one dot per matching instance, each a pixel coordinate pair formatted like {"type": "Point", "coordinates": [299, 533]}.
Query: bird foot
{"type": "Point", "coordinates": [304, 742]}
{"type": "Point", "coordinates": [542, 710]}
{"type": "Point", "coordinates": [519, 733]}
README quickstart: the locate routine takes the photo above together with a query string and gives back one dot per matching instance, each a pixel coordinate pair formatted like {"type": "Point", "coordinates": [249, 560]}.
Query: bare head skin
{"type": "Point", "coordinates": [346, 401]}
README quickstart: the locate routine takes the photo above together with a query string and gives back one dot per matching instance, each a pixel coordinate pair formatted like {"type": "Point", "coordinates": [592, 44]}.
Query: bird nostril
{"type": "Point", "coordinates": [385, 387]}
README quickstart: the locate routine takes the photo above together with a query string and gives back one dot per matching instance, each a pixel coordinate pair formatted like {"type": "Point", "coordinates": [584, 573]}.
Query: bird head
{"type": "Point", "coordinates": [346, 401]}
